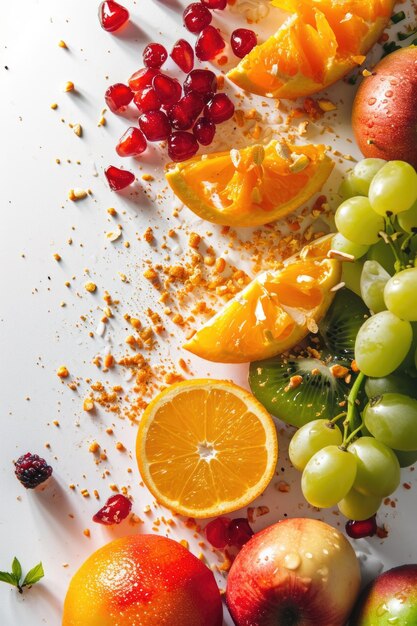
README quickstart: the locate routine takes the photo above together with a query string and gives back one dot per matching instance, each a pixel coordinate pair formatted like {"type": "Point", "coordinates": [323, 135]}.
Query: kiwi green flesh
{"type": "Point", "coordinates": [341, 323]}
{"type": "Point", "coordinates": [320, 394]}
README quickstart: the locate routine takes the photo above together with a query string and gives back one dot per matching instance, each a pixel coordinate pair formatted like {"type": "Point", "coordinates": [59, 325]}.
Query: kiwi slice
{"type": "Point", "coordinates": [341, 323]}
{"type": "Point", "coordinates": [318, 394]}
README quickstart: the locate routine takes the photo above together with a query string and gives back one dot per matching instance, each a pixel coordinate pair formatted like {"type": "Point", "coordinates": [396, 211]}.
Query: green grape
{"type": "Point", "coordinates": [394, 188]}
{"type": "Point", "coordinates": [328, 476]}
{"type": "Point", "coordinates": [382, 343]}
{"type": "Point", "coordinates": [342, 244]}
{"type": "Point", "coordinates": [373, 280]}
{"type": "Point", "coordinates": [382, 253]}
{"type": "Point", "coordinates": [394, 383]}
{"type": "Point", "coordinates": [400, 294]}
{"type": "Point", "coordinates": [364, 172]}
{"type": "Point", "coordinates": [406, 459]}
{"type": "Point", "coordinates": [347, 189]}
{"type": "Point", "coordinates": [408, 365]}
{"type": "Point", "coordinates": [351, 276]}
{"type": "Point", "coordinates": [378, 470]}
{"type": "Point", "coordinates": [392, 419]}
{"type": "Point", "coordinates": [356, 220]}
{"type": "Point", "coordinates": [358, 507]}
{"type": "Point", "coordinates": [408, 219]}
{"type": "Point", "coordinates": [311, 438]}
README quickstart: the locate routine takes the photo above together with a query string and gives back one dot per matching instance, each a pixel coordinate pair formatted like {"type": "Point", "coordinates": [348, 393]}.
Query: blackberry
{"type": "Point", "coordinates": [32, 470]}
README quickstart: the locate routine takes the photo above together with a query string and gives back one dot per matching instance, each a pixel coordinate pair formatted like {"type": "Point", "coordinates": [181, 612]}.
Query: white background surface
{"type": "Point", "coordinates": [37, 335]}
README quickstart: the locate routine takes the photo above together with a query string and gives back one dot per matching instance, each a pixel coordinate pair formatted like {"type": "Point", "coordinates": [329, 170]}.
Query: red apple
{"type": "Point", "coordinates": [390, 599]}
{"type": "Point", "coordinates": [384, 114]}
{"type": "Point", "coordinates": [298, 572]}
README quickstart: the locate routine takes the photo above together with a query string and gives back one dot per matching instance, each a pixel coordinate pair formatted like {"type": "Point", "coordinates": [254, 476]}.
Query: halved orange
{"type": "Point", "coordinates": [206, 447]}
{"type": "Point", "coordinates": [316, 46]}
{"type": "Point", "coordinates": [272, 314]}
{"type": "Point", "coordinates": [252, 186]}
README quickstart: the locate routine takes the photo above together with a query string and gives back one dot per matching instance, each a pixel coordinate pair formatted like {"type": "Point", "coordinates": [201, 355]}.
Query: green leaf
{"type": "Point", "coordinates": [17, 569]}
{"type": "Point", "coordinates": [5, 577]}
{"type": "Point", "coordinates": [35, 574]}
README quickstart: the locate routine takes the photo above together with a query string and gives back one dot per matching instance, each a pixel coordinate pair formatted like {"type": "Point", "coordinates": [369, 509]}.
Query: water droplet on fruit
{"type": "Point", "coordinates": [308, 555]}
{"type": "Point", "coordinates": [381, 610]}
{"type": "Point", "coordinates": [292, 561]}
{"type": "Point", "coordinates": [389, 93]}
{"type": "Point", "coordinates": [371, 101]}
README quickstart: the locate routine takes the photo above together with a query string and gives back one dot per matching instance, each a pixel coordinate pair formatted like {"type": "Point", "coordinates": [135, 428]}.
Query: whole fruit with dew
{"type": "Point", "coordinates": [384, 114]}
{"type": "Point", "coordinates": [297, 572]}
{"type": "Point", "coordinates": [145, 580]}
{"type": "Point", "coordinates": [390, 599]}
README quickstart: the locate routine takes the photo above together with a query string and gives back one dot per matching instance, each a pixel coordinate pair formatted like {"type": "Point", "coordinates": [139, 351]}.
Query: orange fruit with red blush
{"type": "Point", "coordinates": [143, 580]}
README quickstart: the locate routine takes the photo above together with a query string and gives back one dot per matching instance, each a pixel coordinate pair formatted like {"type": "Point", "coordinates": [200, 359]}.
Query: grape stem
{"type": "Point", "coordinates": [337, 417]}
{"type": "Point", "coordinates": [351, 410]}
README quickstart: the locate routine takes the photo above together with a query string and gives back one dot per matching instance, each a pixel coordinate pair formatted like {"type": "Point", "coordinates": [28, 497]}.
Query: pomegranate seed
{"type": "Point", "coordinates": [154, 55]}
{"type": "Point", "coordinates": [155, 125]}
{"type": "Point", "coordinates": [142, 78]}
{"type": "Point", "coordinates": [118, 179]}
{"type": "Point", "coordinates": [147, 100]}
{"type": "Point", "coordinates": [181, 146]}
{"type": "Point", "coordinates": [364, 528]}
{"type": "Point", "coordinates": [217, 532]}
{"type": "Point", "coordinates": [118, 97]}
{"type": "Point", "coordinates": [184, 113]}
{"type": "Point", "coordinates": [116, 509]}
{"type": "Point", "coordinates": [131, 143]}
{"type": "Point", "coordinates": [214, 4]}
{"type": "Point", "coordinates": [168, 89]}
{"type": "Point", "coordinates": [112, 15]}
{"type": "Point", "coordinates": [239, 532]}
{"type": "Point", "coordinates": [209, 44]}
{"type": "Point", "coordinates": [196, 17]}
{"type": "Point", "coordinates": [183, 55]}
{"type": "Point", "coordinates": [204, 131]}
{"type": "Point", "coordinates": [201, 81]}
{"type": "Point", "coordinates": [242, 40]}
{"type": "Point", "coordinates": [219, 109]}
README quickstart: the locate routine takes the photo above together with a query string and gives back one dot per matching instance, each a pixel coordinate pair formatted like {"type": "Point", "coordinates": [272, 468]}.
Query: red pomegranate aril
{"type": "Point", "coordinates": [215, 4]}
{"type": "Point", "coordinates": [154, 55]}
{"type": "Point", "coordinates": [132, 143]}
{"type": "Point", "coordinates": [360, 529]}
{"type": "Point", "coordinates": [204, 131]}
{"type": "Point", "coordinates": [239, 532]}
{"type": "Point", "coordinates": [168, 89]}
{"type": "Point", "coordinates": [217, 532]}
{"type": "Point", "coordinates": [184, 113]}
{"type": "Point", "coordinates": [142, 78]}
{"type": "Point", "coordinates": [147, 100]}
{"type": "Point", "coordinates": [118, 179]}
{"type": "Point", "coordinates": [196, 17]}
{"type": "Point", "coordinates": [209, 44]}
{"type": "Point", "coordinates": [112, 15]}
{"type": "Point", "coordinates": [242, 41]}
{"type": "Point", "coordinates": [155, 125]}
{"type": "Point", "coordinates": [118, 97]}
{"type": "Point", "coordinates": [181, 146]}
{"type": "Point", "coordinates": [183, 55]}
{"type": "Point", "coordinates": [201, 81]}
{"type": "Point", "coordinates": [116, 509]}
{"type": "Point", "coordinates": [219, 109]}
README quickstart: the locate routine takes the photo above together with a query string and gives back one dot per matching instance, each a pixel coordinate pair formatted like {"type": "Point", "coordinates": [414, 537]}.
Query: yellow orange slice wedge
{"type": "Point", "coordinates": [272, 314]}
{"type": "Point", "coordinates": [206, 447]}
{"type": "Point", "coordinates": [317, 45]}
{"type": "Point", "coordinates": [252, 186]}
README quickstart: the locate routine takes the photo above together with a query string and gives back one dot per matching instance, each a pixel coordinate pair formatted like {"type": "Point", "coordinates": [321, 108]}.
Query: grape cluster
{"type": "Point", "coordinates": [354, 459]}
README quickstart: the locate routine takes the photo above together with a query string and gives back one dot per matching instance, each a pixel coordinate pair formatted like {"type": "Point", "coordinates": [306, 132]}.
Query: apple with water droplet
{"type": "Point", "coordinates": [390, 599]}
{"type": "Point", "coordinates": [298, 572]}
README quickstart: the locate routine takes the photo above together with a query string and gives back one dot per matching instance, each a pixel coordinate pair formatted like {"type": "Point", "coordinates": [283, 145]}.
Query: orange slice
{"type": "Point", "coordinates": [252, 186]}
{"type": "Point", "coordinates": [316, 46]}
{"type": "Point", "coordinates": [206, 447]}
{"type": "Point", "coordinates": [272, 314]}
